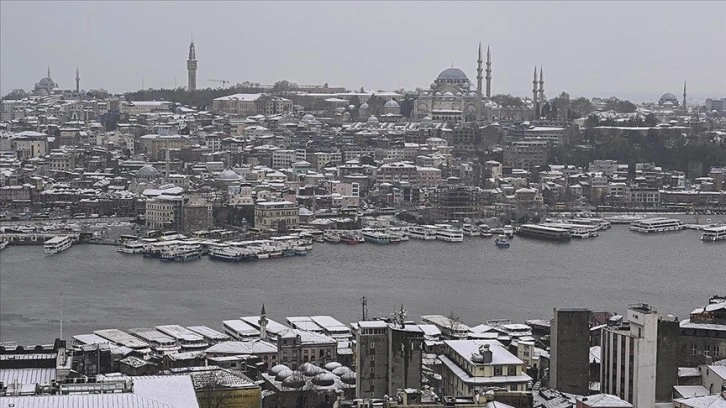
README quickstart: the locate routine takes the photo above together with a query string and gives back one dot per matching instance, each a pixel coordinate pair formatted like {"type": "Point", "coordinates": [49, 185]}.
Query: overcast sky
{"type": "Point", "coordinates": [627, 49]}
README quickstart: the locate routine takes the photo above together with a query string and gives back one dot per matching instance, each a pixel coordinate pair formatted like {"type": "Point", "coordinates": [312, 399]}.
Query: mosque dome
{"type": "Point", "coordinates": [452, 75]}
{"type": "Point", "coordinates": [334, 364]}
{"type": "Point", "coordinates": [228, 175]}
{"type": "Point", "coordinates": [148, 171]}
{"type": "Point", "coordinates": [296, 380]}
{"type": "Point", "coordinates": [348, 378]}
{"type": "Point", "coordinates": [391, 104]}
{"type": "Point", "coordinates": [324, 379]}
{"type": "Point", "coordinates": [668, 98]}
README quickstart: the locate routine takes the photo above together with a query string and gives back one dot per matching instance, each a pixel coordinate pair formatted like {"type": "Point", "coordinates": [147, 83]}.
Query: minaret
{"type": "Point", "coordinates": [192, 68]}
{"type": "Point", "coordinates": [535, 100]}
{"type": "Point", "coordinates": [489, 73]}
{"type": "Point", "coordinates": [479, 70]}
{"type": "Point", "coordinates": [684, 96]}
{"type": "Point", "coordinates": [263, 323]}
{"type": "Point", "coordinates": [541, 85]}
{"type": "Point", "coordinates": [78, 82]}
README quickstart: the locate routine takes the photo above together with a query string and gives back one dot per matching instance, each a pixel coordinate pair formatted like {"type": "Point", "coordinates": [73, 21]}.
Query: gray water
{"type": "Point", "coordinates": [675, 272]}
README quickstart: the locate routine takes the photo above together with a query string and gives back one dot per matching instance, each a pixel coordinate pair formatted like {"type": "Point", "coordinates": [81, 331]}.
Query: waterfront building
{"type": "Point", "coordinates": [279, 215]}
{"type": "Point", "coordinates": [570, 351]}
{"type": "Point", "coordinates": [703, 334]}
{"type": "Point", "coordinates": [388, 357]}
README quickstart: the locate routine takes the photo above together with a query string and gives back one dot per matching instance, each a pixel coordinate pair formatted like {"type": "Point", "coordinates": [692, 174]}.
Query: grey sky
{"type": "Point", "coordinates": [627, 49]}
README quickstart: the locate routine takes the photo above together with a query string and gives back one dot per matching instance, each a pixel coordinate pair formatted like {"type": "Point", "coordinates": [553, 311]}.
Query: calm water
{"type": "Point", "coordinates": [102, 288]}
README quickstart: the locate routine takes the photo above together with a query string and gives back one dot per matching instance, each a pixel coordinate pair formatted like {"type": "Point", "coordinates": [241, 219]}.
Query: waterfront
{"type": "Point", "coordinates": [103, 288]}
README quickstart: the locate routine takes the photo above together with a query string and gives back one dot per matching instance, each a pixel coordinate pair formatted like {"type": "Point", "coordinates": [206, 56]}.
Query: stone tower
{"type": "Point", "coordinates": [192, 68]}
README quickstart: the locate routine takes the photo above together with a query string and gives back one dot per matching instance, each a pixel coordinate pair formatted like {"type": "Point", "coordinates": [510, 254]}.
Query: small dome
{"type": "Point", "coordinates": [276, 369]}
{"type": "Point", "coordinates": [391, 104]}
{"type": "Point", "coordinates": [228, 175]}
{"type": "Point", "coordinates": [348, 378]}
{"type": "Point", "coordinates": [341, 370]}
{"type": "Point", "coordinates": [324, 379]}
{"type": "Point", "coordinates": [283, 374]}
{"type": "Point", "coordinates": [148, 171]}
{"type": "Point", "coordinates": [332, 365]}
{"type": "Point", "coordinates": [310, 369]}
{"type": "Point", "coordinates": [294, 381]}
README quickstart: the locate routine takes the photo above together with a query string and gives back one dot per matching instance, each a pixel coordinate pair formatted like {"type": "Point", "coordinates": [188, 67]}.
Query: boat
{"type": "Point", "coordinates": [449, 233]}
{"type": "Point", "coordinates": [485, 231]}
{"type": "Point", "coordinates": [57, 244]}
{"type": "Point", "coordinates": [134, 247]}
{"type": "Point", "coordinates": [544, 232]}
{"type": "Point", "coordinates": [470, 230]}
{"type": "Point", "coordinates": [376, 236]}
{"type": "Point", "coordinates": [182, 253]}
{"type": "Point", "coordinates": [425, 232]}
{"type": "Point", "coordinates": [714, 233]}
{"type": "Point", "coordinates": [501, 241]}
{"type": "Point", "coordinates": [658, 224]}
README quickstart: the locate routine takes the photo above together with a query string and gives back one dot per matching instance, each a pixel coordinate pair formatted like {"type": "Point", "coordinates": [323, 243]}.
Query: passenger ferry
{"type": "Point", "coordinates": [57, 244]}
{"type": "Point", "coordinates": [544, 232]}
{"type": "Point", "coordinates": [425, 232]}
{"type": "Point", "coordinates": [376, 236]}
{"type": "Point", "coordinates": [449, 233]}
{"type": "Point", "coordinates": [657, 225]}
{"type": "Point", "coordinates": [713, 234]}
{"type": "Point", "coordinates": [470, 230]}
{"type": "Point", "coordinates": [133, 247]}
{"type": "Point", "coordinates": [501, 242]}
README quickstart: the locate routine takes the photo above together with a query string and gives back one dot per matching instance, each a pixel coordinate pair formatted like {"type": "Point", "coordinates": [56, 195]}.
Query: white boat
{"type": "Point", "coordinates": [449, 233]}
{"type": "Point", "coordinates": [132, 247]}
{"type": "Point", "coordinates": [470, 230]}
{"type": "Point", "coordinates": [713, 234]}
{"type": "Point", "coordinates": [376, 236]}
{"type": "Point", "coordinates": [425, 232]}
{"type": "Point", "coordinates": [57, 244]}
{"type": "Point", "coordinates": [657, 225]}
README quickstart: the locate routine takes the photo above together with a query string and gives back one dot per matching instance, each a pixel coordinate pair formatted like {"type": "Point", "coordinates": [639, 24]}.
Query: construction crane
{"type": "Point", "coordinates": [221, 81]}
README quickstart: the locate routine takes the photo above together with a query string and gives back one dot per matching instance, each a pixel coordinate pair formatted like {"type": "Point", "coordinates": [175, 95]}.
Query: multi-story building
{"type": "Point", "coordinates": [570, 351]}
{"type": "Point", "coordinates": [279, 215]}
{"type": "Point", "coordinates": [703, 335]}
{"type": "Point", "coordinates": [388, 358]}
{"type": "Point", "coordinates": [638, 360]}
{"type": "Point", "coordinates": [526, 155]}
{"type": "Point", "coordinates": [476, 366]}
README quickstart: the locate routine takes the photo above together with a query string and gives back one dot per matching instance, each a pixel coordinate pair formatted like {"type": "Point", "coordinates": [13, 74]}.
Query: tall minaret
{"type": "Point", "coordinates": [541, 85]}
{"type": "Point", "coordinates": [479, 76]}
{"type": "Point", "coordinates": [78, 82]}
{"type": "Point", "coordinates": [489, 73]}
{"type": "Point", "coordinates": [684, 96]}
{"type": "Point", "coordinates": [263, 323]}
{"type": "Point", "coordinates": [192, 68]}
{"type": "Point", "coordinates": [535, 100]}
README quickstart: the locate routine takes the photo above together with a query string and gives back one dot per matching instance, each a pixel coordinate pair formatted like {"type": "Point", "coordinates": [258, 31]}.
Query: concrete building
{"type": "Point", "coordinates": [278, 215]}
{"type": "Point", "coordinates": [570, 350]}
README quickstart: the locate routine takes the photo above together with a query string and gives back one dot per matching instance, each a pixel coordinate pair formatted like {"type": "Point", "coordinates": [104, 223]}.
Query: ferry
{"type": "Point", "coordinates": [57, 244]}
{"type": "Point", "coordinates": [657, 225]}
{"type": "Point", "coordinates": [182, 253]}
{"type": "Point", "coordinates": [485, 231]}
{"type": "Point", "coordinates": [132, 247]}
{"type": "Point", "coordinates": [376, 236]}
{"type": "Point", "coordinates": [713, 234]}
{"type": "Point", "coordinates": [544, 232]}
{"type": "Point", "coordinates": [470, 230]}
{"type": "Point", "coordinates": [449, 233]}
{"type": "Point", "coordinates": [501, 242]}
{"type": "Point", "coordinates": [425, 232]}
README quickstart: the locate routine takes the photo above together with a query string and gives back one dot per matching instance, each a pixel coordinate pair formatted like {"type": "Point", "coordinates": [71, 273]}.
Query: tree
{"type": "Point", "coordinates": [16, 94]}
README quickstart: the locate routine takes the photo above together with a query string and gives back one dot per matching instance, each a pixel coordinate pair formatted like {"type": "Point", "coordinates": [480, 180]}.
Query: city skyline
{"type": "Point", "coordinates": [580, 56]}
